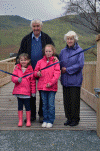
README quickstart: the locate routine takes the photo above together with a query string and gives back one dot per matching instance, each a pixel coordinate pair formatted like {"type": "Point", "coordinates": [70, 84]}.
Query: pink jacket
{"type": "Point", "coordinates": [28, 84]}
{"type": "Point", "coordinates": [49, 75]}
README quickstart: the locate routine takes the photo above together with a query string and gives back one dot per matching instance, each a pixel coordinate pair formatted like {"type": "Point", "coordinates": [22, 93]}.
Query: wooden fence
{"type": "Point", "coordinates": [6, 65]}
{"type": "Point", "coordinates": [88, 85]}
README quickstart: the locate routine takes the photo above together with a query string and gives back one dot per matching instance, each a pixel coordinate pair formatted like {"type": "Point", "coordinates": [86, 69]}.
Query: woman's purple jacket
{"type": "Point", "coordinates": [73, 65]}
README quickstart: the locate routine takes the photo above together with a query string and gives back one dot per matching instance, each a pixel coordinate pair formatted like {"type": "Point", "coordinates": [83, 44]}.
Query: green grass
{"type": "Point", "coordinates": [12, 31]}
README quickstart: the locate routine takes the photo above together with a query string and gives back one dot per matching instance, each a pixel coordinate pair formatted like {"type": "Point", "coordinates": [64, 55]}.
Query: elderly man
{"type": "Point", "coordinates": [33, 43]}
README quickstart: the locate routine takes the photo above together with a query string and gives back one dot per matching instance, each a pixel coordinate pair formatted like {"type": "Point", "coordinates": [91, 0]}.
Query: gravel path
{"type": "Point", "coordinates": [58, 140]}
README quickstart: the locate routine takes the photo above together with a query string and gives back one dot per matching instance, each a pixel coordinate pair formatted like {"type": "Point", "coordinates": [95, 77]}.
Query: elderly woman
{"type": "Point", "coordinates": [71, 78]}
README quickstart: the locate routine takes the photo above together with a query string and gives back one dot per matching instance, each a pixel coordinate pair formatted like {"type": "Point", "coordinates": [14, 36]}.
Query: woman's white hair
{"type": "Point", "coordinates": [37, 21]}
{"type": "Point", "coordinates": [70, 34]}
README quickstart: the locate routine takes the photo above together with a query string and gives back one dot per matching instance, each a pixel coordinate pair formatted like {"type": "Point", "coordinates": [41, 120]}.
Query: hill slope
{"type": "Point", "coordinates": [14, 28]}
{"type": "Point", "coordinates": [12, 21]}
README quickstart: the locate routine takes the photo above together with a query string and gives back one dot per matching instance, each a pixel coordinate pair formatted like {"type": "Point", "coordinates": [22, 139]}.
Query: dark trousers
{"type": "Point", "coordinates": [21, 102]}
{"type": "Point", "coordinates": [40, 112]}
{"type": "Point", "coordinates": [71, 97]}
{"type": "Point", "coordinates": [33, 106]}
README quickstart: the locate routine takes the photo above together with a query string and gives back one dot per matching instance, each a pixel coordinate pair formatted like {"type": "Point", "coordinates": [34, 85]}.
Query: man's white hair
{"type": "Point", "coordinates": [70, 34]}
{"type": "Point", "coordinates": [37, 21]}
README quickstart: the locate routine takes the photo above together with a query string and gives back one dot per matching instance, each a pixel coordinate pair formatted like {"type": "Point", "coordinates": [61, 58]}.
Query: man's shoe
{"type": "Point", "coordinates": [40, 119]}
{"type": "Point", "coordinates": [32, 119]}
{"type": "Point", "coordinates": [67, 122]}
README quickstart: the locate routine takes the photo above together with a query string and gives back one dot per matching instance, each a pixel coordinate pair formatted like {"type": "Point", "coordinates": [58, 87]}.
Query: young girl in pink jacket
{"type": "Point", "coordinates": [47, 84]}
{"type": "Point", "coordinates": [24, 87]}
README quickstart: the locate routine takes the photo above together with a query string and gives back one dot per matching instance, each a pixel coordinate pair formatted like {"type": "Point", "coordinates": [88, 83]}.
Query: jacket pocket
{"type": "Point", "coordinates": [72, 79]}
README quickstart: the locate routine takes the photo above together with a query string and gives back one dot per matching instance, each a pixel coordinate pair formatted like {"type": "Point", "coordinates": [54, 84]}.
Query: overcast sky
{"type": "Point", "coordinates": [32, 9]}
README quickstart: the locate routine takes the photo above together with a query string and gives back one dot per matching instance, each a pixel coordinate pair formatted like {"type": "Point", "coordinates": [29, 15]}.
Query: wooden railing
{"type": "Point", "coordinates": [6, 65]}
{"type": "Point", "coordinates": [88, 85]}
{"type": "Point", "coordinates": [89, 76]}
{"type": "Point", "coordinates": [91, 80]}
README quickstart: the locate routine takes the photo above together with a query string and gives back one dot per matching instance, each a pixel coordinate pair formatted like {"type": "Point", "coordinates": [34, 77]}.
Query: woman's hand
{"type": "Point", "coordinates": [63, 69]}
{"type": "Point", "coordinates": [39, 74]}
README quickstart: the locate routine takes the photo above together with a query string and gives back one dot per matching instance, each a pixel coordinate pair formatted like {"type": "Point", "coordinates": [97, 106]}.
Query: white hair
{"type": "Point", "coordinates": [70, 34]}
{"type": "Point", "coordinates": [37, 21]}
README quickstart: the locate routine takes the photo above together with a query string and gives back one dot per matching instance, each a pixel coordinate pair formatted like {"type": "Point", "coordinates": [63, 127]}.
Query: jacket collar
{"type": "Point", "coordinates": [74, 47]}
{"type": "Point", "coordinates": [35, 37]}
{"type": "Point", "coordinates": [29, 68]}
{"type": "Point", "coordinates": [50, 59]}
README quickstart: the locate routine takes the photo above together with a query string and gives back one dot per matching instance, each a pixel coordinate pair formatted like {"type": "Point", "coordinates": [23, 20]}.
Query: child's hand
{"type": "Point", "coordinates": [33, 95]}
{"type": "Point", "coordinates": [55, 59]}
{"type": "Point", "coordinates": [15, 67]}
{"type": "Point", "coordinates": [39, 74]}
{"type": "Point", "coordinates": [20, 80]}
{"type": "Point", "coordinates": [48, 85]}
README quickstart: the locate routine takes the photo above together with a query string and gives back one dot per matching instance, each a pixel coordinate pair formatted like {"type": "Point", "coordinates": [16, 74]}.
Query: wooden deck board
{"type": "Point", "coordinates": [9, 117]}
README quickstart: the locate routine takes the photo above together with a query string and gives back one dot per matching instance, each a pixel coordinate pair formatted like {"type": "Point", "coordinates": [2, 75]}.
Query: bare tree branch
{"type": "Point", "coordinates": [85, 13]}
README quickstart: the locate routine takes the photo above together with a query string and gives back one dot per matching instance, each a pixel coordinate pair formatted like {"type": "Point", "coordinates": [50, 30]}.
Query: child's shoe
{"type": "Point", "coordinates": [20, 116]}
{"type": "Point", "coordinates": [44, 124]}
{"type": "Point", "coordinates": [28, 117]}
{"type": "Point", "coordinates": [49, 125]}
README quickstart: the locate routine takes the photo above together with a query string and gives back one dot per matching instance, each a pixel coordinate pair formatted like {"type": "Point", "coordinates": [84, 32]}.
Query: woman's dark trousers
{"type": "Point", "coordinates": [71, 97]}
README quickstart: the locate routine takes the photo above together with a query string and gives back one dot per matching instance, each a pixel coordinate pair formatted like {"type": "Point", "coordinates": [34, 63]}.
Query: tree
{"type": "Point", "coordinates": [84, 12]}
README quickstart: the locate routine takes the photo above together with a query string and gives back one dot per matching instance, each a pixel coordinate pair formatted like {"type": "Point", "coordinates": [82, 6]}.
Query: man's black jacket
{"type": "Point", "coordinates": [25, 46]}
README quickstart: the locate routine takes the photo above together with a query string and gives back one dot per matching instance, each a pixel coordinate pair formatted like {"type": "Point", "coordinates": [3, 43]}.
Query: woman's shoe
{"type": "Point", "coordinates": [67, 122]}
{"type": "Point", "coordinates": [74, 123]}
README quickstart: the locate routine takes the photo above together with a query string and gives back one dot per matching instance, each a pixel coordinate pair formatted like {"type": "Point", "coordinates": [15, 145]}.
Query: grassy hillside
{"type": "Point", "coordinates": [14, 28]}
{"type": "Point", "coordinates": [7, 21]}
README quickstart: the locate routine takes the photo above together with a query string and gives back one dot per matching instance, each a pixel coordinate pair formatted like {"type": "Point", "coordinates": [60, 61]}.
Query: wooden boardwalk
{"type": "Point", "coordinates": [9, 116]}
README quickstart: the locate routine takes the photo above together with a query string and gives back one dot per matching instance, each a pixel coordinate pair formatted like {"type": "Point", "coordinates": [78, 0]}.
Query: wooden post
{"type": "Point", "coordinates": [98, 83]}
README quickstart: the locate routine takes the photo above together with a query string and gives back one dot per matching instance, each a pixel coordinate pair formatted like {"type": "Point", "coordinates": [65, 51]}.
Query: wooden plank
{"type": "Point", "coordinates": [5, 80]}
{"type": "Point", "coordinates": [89, 98]}
{"type": "Point", "coordinates": [89, 76]}
{"type": "Point", "coordinates": [8, 60]}
{"type": "Point", "coordinates": [6, 66]}
{"type": "Point", "coordinates": [98, 83]}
